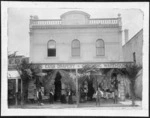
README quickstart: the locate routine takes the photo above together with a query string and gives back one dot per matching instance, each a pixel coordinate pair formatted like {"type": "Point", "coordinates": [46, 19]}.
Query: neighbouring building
{"type": "Point", "coordinates": [14, 81]}
{"type": "Point", "coordinates": [75, 40]}
{"type": "Point", "coordinates": [133, 51]}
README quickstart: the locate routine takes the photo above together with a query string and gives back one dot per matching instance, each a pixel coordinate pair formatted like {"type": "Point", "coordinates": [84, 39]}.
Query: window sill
{"type": "Point", "coordinates": [51, 57]}
{"type": "Point", "coordinates": [100, 56]}
{"type": "Point", "coordinates": [75, 57]}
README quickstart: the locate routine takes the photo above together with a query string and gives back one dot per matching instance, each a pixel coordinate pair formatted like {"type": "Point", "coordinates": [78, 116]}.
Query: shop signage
{"type": "Point", "coordinates": [78, 66]}
{"type": "Point", "coordinates": [14, 61]}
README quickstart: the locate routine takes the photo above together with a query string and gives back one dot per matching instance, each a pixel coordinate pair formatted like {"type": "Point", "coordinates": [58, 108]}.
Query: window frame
{"type": "Point", "coordinates": [134, 57]}
{"type": "Point", "coordinates": [51, 48]}
{"type": "Point", "coordinates": [100, 47]}
{"type": "Point", "coordinates": [72, 48]}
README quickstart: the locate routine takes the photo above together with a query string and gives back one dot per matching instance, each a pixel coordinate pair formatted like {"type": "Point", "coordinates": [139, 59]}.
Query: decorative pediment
{"type": "Point", "coordinates": [75, 18]}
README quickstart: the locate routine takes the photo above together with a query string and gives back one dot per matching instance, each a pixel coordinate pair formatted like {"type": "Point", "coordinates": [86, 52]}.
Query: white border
{"type": "Point", "coordinates": [144, 6]}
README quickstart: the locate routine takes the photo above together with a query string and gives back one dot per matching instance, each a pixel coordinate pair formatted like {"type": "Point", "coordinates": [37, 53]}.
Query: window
{"type": "Point", "coordinates": [134, 57]}
{"type": "Point", "coordinates": [100, 49]}
{"type": "Point", "coordinates": [75, 48]}
{"type": "Point", "coordinates": [17, 61]}
{"type": "Point", "coordinates": [11, 61]}
{"type": "Point", "coordinates": [51, 52]}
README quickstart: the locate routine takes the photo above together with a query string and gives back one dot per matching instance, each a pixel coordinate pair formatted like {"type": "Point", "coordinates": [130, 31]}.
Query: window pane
{"type": "Point", "coordinates": [76, 43]}
{"type": "Point", "coordinates": [75, 48]}
{"type": "Point", "coordinates": [100, 51]}
{"type": "Point", "coordinates": [99, 43]}
{"type": "Point", "coordinates": [10, 61]}
{"type": "Point", "coordinates": [134, 57]}
{"type": "Point", "coordinates": [51, 44]}
{"type": "Point", "coordinates": [51, 52]}
{"type": "Point", "coordinates": [76, 52]}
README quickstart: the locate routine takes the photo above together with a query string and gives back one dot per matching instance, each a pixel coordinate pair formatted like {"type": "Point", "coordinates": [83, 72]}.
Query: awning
{"type": "Point", "coordinates": [13, 74]}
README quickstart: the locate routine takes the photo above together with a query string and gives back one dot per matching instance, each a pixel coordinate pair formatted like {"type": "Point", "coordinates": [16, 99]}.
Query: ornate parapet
{"type": "Point", "coordinates": [58, 23]}
{"type": "Point", "coordinates": [75, 19]}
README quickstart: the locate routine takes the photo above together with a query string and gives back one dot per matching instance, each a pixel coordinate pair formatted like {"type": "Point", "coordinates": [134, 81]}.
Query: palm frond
{"type": "Point", "coordinates": [65, 78]}
{"type": "Point", "coordinates": [89, 68]}
{"type": "Point", "coordinates": [132, 71]}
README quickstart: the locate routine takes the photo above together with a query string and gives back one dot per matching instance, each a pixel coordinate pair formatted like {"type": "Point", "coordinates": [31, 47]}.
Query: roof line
{"type": "Point", "coordinates": [134, 36]}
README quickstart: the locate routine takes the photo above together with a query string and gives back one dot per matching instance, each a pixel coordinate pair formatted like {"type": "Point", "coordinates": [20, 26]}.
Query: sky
{"type": "Point", "coordinates": [18, 22]}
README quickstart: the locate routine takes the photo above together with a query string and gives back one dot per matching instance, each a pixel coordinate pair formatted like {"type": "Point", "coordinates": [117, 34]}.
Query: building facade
{"type": "Point", "coordinates": [14, 80]}
{"type": "Point", "coordinates": [133, 51]}
{"type": "Point", "coordinates": [75, 40]}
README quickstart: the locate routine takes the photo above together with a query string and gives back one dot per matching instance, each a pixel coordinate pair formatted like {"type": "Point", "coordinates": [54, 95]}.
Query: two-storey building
{"type": "Point", "coordinates": [76, 40]}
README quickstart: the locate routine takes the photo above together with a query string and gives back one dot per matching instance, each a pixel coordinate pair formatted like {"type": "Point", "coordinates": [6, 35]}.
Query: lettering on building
{"type": "Point", "coordinates": [78, 66]}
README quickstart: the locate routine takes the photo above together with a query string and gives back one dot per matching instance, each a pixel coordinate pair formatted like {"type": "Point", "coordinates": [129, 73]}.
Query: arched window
{"type": "Point", "coordinates": [100, 47]}
{"type": "Point", "coordinates": [75, 47]}
{"type": "Point", "coordinates": [51, 48]}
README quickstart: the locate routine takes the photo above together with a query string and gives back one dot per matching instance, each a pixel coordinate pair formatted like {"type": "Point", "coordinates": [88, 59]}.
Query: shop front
{"type": "Point", "coordinates": [62, 77]}
{"type": "Point", "coordinates": [14, 88]}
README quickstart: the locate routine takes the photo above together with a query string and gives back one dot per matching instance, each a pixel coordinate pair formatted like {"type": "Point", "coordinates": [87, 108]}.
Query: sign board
{"type": "Point", "coordinates": [14, 61]}
{"type": "Point", "coordinates": [13, 74]}
{"type": "Point", "coordinates": [78, 66]}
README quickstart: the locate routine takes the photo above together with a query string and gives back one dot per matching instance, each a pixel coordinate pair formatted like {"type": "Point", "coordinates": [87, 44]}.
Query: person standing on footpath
{"type": "Point", "coordinates": [39, 96]}
{"type": "Point", "coordinates": [51, 97]}
{"type": "Point", "coordinates": [98, 96]}
{"type": "Point", "coordinates": [115, 96]}
{"type": "Point", "coordinates": [70, 101]}
{"type": "Point", "coordinates": [115, 83]}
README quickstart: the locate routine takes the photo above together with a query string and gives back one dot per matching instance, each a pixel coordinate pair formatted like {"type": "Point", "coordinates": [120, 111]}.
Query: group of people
{"type": "Point", "coordinates": [100, 93]}
{"type": "Point", "coordinates": [66, 97]}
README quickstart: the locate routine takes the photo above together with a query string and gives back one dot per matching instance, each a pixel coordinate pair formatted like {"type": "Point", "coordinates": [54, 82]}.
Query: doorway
{"type": "Point", "coordinates": [57, 84]}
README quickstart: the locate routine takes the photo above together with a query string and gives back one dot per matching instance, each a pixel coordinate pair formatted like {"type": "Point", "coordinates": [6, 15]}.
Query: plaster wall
{"type": "Point", "coordinates": [64, 38]}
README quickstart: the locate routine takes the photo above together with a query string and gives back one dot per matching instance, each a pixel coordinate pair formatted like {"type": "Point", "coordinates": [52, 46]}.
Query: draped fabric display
{"type": "Point", "coordinates": [63, 87]}
{"type": "Point", "coordinates": [66, 80]}
{"type": "Point", "coordinates": [103, 81]}
{"type": "Point", "coordinates": [106, 83]}
{"type": "Point", "coordinates": [31, 90]}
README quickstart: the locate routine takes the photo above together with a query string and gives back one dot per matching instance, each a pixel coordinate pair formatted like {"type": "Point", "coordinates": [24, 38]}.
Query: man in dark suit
{"type": "Point", "coordinates": [51, 97]}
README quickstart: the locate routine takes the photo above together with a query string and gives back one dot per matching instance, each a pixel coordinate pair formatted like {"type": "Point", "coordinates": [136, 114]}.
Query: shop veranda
{"type": "Point", "coordinates": [71, 86]}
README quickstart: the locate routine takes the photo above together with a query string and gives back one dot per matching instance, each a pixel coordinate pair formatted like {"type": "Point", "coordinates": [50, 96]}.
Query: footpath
{"type": "Point", "coordinates": [107, 104]}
